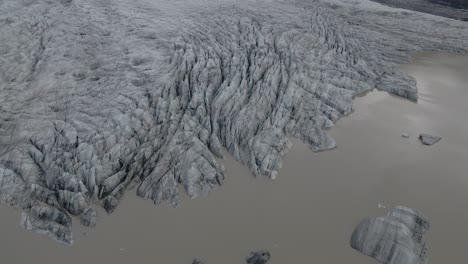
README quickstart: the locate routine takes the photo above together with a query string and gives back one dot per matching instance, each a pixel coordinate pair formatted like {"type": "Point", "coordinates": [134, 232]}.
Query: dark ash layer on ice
{"type": "Point", "coordinates": [456, 9]}
{"type": "Point", "coordinates": [150, 103]}
{"type": "Point", "coordinates": [397, 238]}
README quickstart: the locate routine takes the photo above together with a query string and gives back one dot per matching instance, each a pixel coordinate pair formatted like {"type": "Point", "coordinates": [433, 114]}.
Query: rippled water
{"type": "Point", "coordinates": [309, 212]}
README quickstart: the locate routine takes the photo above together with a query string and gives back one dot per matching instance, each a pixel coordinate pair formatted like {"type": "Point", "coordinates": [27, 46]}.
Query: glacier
{"type": "Point", "coordinates": [98, 97]}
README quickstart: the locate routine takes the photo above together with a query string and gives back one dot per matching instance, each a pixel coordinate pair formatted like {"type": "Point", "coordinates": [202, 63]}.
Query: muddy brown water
{"type": "Point", "coordinates": [308, 213]}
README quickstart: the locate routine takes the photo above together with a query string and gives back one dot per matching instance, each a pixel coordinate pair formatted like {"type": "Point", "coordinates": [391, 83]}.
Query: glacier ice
{"type": "Point", "coordinates": [429, 140]}
{"type": "Point", "coordinates": [98, 96]}
{"type": "Point", "coordinates": [255, 257]}
{"type": "Point", "coordinates": [397, 238]}
{"type": "Point", "coordinates": [258, 257]}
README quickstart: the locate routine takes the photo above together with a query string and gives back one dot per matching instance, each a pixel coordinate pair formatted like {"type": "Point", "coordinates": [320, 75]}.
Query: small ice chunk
{"type": "Point", "coordinates": [258, 257]}
{"type": "Point", "coordinates": [197, 261]}
{"type": "Point", "coordinates": [88, 217]}
{"type": "Point", "coordinates": [428, 140]}
{"type": "Point", "coordinates": [273, 175]}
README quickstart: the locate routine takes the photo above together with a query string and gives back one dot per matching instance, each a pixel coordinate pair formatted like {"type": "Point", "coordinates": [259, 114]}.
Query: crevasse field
{"type": "Point", "coordinates": [98, 96]}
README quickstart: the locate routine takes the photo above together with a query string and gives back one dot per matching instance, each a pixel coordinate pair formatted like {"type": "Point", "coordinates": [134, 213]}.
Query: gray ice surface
{"type": "Point", "coordinates": [397, 238]}
{"type": "Point", "coordinates": [197, 261]}
{"type": "Point", "coordinates": [88, 217]}
{"type": "Point", "coordinates": [258, 257]}
{"type": "Point", "coordinates": [255, 257]}
{"type": "Point", "coordinates": [98, 96]}
{"type": "Point", "coordinates": [429, 140]}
